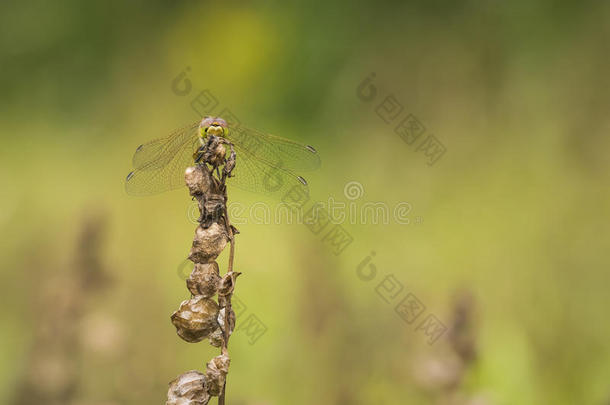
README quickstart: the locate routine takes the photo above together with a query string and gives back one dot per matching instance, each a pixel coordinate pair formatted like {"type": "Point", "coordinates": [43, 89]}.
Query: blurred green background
{"type": "Point", "coordinates": [507, 232]}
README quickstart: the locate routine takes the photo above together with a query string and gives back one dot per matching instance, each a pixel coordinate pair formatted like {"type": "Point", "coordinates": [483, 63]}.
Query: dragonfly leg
{"type": "Point", "coordinates": [198, 155]}
{"type": "Point", "coordinates": [229, 162]}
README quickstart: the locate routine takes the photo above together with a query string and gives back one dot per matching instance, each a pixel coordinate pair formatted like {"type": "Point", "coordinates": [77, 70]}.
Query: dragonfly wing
{"type": "Point", "coordinates": [253, 174]}
{"type": "Point", "coordinates": [159, 165]}
{"type": "Point", "coordinates": [273, 150]}
{"type": "Point", "coordinates": [156, 153]}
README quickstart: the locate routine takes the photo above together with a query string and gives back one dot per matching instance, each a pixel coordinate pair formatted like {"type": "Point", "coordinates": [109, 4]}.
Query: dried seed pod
{"type": "Point", "coordinates": [204, 279]}
{"type": "Point", "coordinates": [211, 207]}
{"type": "Point", "coordinates": [216, 374]}
{"type": "Point", "coordinates": [198, 180]}
{"type": "Point", "coordinates": [196, 319]}
{"type": "Point", "coordinates": [188, 389]}
{"type": "Point", "coordinates": [218, 155]}
{"type": "Point", "coordinates": [216, 338]}
{"type": "Point", "coordinates": [227, 284]}
{"type": "Point", "coordinates": [208, 243]}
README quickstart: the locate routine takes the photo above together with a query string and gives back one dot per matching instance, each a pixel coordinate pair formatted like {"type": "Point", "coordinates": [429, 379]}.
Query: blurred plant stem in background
{"type": "Point", "coordinates": [443, 372]}
{"type": "Point", "coordinates": [53, 371]}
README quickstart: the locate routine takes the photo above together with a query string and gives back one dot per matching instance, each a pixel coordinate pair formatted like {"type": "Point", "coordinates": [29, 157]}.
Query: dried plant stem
{"type": "Point", "coordinates": [201, 317]}
{"type": "Point", "coordinates": [61, 309]}
{"type": "Point", "coordinates": [225, 340]}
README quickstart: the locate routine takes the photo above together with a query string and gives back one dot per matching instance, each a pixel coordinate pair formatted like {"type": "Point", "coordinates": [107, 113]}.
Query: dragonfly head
{"type": "Point", "coordinates": [213, 126]}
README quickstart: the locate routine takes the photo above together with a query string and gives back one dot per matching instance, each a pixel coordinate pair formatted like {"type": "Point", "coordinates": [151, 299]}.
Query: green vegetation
{"type": "Point", "coordinates": [515, 211]}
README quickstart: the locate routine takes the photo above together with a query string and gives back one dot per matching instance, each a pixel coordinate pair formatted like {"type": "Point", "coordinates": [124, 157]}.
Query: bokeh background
{"type": "Point", "coordinates": [506, 244]}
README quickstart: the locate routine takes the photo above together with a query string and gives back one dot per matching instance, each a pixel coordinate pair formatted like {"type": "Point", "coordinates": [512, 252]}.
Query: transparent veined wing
{"type": "Point", "coordinates": [273, 150]}
{"type": "Point", "coordinates": [159, 164]}
{"type": "Point", "coordinates": [265, 163]}
{"type": "Point", "coordinates": [158, 151]}
{"type": "Point", "coordinates": [256, 175]}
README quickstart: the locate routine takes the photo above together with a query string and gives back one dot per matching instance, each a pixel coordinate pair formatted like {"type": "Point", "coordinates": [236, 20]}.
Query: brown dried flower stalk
{"type": "Point", "coordinates": [201, 317]}
{"type": "Point", "coordinates": [442, 373]}
{"type": "Point", "coordinates": [51, 372]}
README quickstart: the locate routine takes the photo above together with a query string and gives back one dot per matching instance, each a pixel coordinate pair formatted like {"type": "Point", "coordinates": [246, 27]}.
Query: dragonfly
{"type": "Point", "coordinates": [265, 163]}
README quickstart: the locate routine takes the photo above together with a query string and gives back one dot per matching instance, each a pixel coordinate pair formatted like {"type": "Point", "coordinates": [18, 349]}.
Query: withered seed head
{"type": "Point", "coordinates": [188, 389]}
{"type": "Point", "coordinates": [208, 243]}
{"type": "Point", "coordinates": [216, 373]}
{"type": "Point", "coordinates": [198, 180]}
{"type": "Point", "coordinates": [204, 279]}
{"type": "Point", "coordinates": [196, 319]}
{"type": "Point", "coordinates": [201, 317]}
